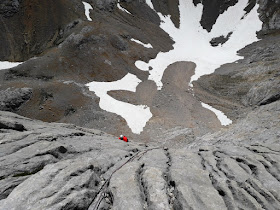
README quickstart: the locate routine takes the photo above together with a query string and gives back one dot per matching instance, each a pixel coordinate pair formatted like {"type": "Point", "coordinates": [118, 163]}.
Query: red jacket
{"type": "Point", "coordinates": [124, 139]}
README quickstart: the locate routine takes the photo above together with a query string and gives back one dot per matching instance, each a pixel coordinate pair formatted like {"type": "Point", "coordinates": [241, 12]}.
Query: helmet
{"type": "Point", "coordinates": [121, 136]}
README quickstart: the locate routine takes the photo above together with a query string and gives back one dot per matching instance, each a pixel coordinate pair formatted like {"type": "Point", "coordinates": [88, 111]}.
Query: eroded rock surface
{"type": "Point", "coordinates": [61, 166]}
{"type": "Point", "coordinates": [12, 99]}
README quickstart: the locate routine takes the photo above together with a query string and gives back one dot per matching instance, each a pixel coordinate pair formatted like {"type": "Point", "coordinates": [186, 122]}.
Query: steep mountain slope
{"type": "Point", "coordinates": [133, 67]}
{"type": "Point", "coordinates": [239, 87]}
{"type": "Point", "coordinates": [73, 51]}
{"type": "Point", "coordinates": [30, 27]}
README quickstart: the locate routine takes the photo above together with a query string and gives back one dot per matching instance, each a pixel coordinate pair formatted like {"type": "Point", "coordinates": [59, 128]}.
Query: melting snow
{"type": "Point", "coordinates": [8, 65]}
{"type": "Point", "coordinates": [135, 116]}
{"type": "Point", "coordinates": [87, 8]}
{"type": "Point", "coordinates": [221, 116]}
{"type": "Point", "coordinates": [139, 42]}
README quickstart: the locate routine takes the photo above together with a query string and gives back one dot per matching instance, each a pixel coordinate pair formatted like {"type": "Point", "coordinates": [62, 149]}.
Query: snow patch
{"type": "Point", "coordinates": [121, 8]}
{"type": "Point", "coordinates": [135, 116]}
{"type": "Point", "coordinates": [192, 42]}
{"type": "Point", "coordinates": [139, 42]}
{"type": "Point", "coordinates": [150, 4]}
{"type": "Point", "coordinates": [87, 8]}
{"type": "Point", "coordinates": [220, 115]}
{"type": "Point", "coordinates": [8, 65]}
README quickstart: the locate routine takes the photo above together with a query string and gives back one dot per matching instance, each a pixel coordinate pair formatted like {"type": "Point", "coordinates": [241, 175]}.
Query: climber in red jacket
{"type": "Point", "coordinates": [124, 138]}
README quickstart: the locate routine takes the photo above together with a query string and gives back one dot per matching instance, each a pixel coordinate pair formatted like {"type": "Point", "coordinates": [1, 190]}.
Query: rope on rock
{"type": "Point", "coordinates": [100, 193]}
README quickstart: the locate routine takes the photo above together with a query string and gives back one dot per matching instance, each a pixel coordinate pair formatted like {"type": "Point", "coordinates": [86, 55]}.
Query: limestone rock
{"type": "Point", "coordinates": [61, 166]}
{"type": "Point", "coordinates": [12, 99]}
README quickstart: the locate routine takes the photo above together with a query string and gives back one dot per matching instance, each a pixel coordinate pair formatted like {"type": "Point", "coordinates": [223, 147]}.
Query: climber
{"type": "Point", "coordinates": [124, 138]}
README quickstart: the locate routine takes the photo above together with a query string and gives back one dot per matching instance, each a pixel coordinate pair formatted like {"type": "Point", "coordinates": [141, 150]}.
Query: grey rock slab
{"type": "Point", "coordinates": [12, 99]}
{"type": "Point", "coordinates": [62, 166]}
{"type": "Point", "coordinates": [153, 176]}
{"type": "Point", "coordinates": [156, 158]}
{"type": "Point", "coordinates": [261, 126]}
{"type": "Point", "coordinates": [241, 197]}
{"type": "Point", "coordinates": [8, 184]}
{"type": "Point", "coordinates": [157, 189]}
{"type": "Point", "coordinates": [56, 183]}
{"type": "Point", "coordinates": [194, 188]}
{"type": "Point", "coordinates": [125, 188]}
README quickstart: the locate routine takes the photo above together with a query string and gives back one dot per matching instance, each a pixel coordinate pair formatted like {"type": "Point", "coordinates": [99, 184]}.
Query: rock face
{"type": "Point", "coordinates": [212, 10]}
{"type": "Point", "coordinates": [250, 82]}
{"type": "Point", "coordinates": [28, 29]}
{"type": "Point", "coordinates": [184, 159]}
{"type": "Point", "coordinates": [73, 52]}
{"type": "Point", "coordinates": [108, 5]}
{"type": "Point", "coordinates": [177, 114]}
{"type": "Point", "coordinates": [61, 166]}
{"type": "Point", "coordinates": [11, 100]}
{"type": "Point", "coordinates": [270, 15]}
{"type": "Point", "coordinates": [9, 8]}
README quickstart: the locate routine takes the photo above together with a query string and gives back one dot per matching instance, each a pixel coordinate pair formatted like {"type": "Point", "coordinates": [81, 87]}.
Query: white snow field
{"type": "Point", "coordinates": [220, 115]}
{"type": "Point", "coordinates": [192, 43]}
{"type": "Point", "coordinates": [135, 116]}
{"type": "Point", "coordinates": [141, 43]}
{"type": "Point", "coordinates": [87, 8]}
{"type": "Point", "coordinates": [8, 65]}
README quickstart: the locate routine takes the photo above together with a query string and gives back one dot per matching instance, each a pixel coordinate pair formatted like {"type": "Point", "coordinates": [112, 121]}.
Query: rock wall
{"type": "Point", "coordinates": [247, 83]}
{"type": "Point", "coordinates": [270, 15]}
{"type": "Point", "coordinates": [12, 99]}
{"type": "Point", "coordinates": [30, 27]}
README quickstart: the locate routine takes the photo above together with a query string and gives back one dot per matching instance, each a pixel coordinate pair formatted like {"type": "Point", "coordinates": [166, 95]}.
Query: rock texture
{"type": "Point", "coordinates": [100, 50]}
{"type": "Point", "coordinates": [61, 166]}
{"type": "Point", "coordinates": [250, 82]}
{"type": "Point", "coordinates": [188, 165]}
{"type": "Point", "coordinates": [28, 29]}
{"type": "Point", "coordinates": [270, 15]}
{"type": "Point", "coordinates": [73, 52]}
{"type": "Point", "coordinates": [177, 114]}
{"type": "Point", "coordinates": [12, 99]}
